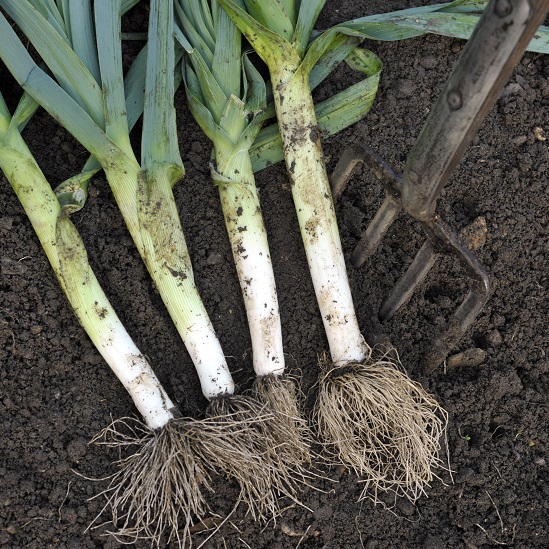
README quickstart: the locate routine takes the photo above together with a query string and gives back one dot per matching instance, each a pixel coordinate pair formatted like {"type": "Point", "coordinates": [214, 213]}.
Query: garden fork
{"type": "Point", "coordinates": [495, 47]}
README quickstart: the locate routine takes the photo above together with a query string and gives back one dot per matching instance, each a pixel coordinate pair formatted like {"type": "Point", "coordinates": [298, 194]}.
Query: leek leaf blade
{"type": "Point", "coordinates": [271, 46]}
{"type": "Point", "coordinates": [71, 73]}
{"type": "Point", "coordinates": [159, 145]}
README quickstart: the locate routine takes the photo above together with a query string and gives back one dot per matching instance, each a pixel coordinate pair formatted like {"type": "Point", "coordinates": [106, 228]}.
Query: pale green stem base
{"type": "Point", "coordinates": [248, 237]}
{"type": "Point", "coordinates": [67, 255]}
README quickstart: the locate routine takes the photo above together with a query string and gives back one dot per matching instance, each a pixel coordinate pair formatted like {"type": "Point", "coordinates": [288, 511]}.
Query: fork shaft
{"type": "Point", "coordinates": [497, 43]}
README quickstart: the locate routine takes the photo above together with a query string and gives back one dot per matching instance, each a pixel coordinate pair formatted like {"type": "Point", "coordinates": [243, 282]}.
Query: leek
{"type": "Point", "coordinates": [226, 96]}
{"type": "Point", "coordinates": [49, 215]}
{"type": "Point", "coordinates": [68, 258]}
{"type": "Point", "coordinates": [376, 420]}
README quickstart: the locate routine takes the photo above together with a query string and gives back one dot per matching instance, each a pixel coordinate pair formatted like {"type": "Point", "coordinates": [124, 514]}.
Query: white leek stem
{"type": "Point", "coordinates": [105, 329]}
{"type": "Point", "coordinates": [67, 255]}
{"type": "Point", "coordinates": [157, 231]}
{"type": "Point", "coordinates": [250, 248]}
{"type": "Point", "coordinates": [316, 214]}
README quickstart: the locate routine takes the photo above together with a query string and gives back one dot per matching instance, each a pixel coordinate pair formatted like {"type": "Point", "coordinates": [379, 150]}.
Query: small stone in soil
{"type": "Point", "coordinates": [468, 358]}
{"type": "Point", "coordinates": [494, 338]}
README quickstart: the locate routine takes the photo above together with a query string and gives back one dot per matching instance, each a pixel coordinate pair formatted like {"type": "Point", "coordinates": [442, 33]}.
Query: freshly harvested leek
{"type": "Point", "coordinates": [68, 258]}
{"type": "Point", "coordinates": [161, 481]}
{"type": "Point", "coordinates": [226, 95]}
{"type": "Point", "coordinates": [226, 113]}
{"type": "Point", "coordinates": [376, 420]}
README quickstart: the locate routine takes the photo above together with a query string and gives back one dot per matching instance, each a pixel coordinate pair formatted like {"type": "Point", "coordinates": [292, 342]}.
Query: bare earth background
{"type": "Point", "coordinates": [56, 393]}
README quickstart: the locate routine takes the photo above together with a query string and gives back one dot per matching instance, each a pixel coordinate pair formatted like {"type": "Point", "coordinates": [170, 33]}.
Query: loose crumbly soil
{"type": "Point", "coordinates": [57, 393]}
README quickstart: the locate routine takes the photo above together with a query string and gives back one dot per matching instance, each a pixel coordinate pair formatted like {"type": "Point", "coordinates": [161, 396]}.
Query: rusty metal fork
{"type": "Point", "coordinates": [494, 49]}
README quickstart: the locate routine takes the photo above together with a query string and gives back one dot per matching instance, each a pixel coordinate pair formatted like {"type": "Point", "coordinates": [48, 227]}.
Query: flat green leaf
{"type": "Point", "coordinates": [127, 5]}
{"type": "Point", "coordinates": [255, 95]}
{"type": "Point", "coordinates": [308, 14]}
{"type": "Point", "coordinates": [26, 107]}
{"type": "Point", "coordinates": [68, 69]}
{"type": "Point", "coordinates": [202, 114]}
{"type": "Point", "coordinates": [190, 38]}
{"type": "Point", "coordinates": [208, 10]}
{"type": "Point", "coordinates": [43, 89]}
{"type": "Point", "coordinates": [49, 10]}
{"type": "Point", "coordinates": [456, 19]}
{"type": "Point", "coordinates": [348, 106]}
{"type": "Point", "coordinates": [341, 46]}
{"type": "Point", "coordinates": [80, 23]}
{"type": "Point", "coordinates": [181, 39]}
{"type": "Point", "coordinates": [364, 61]}
{"type": "Point", "coordinates": [463, 6]}
{"type": "Point", "coordinates": [329, 39]}
{"type": "Point", "coordinates": [108, 28]}
{"type": "Point", "coordinates": [291, 8]}
{"type": "Point", "coordinates": [233, 120]}
{"type": "Point", "coordinates": [271, 47]}
{"type": "Point", "coordinates": [134, 87]}
{"type": "Point", "coordinates": [159, 144]}
{"type": "Point", "coordinates": [197, 16]}
{"type": "Point", "coordinates": [212, 95]}
{"type": "Point", "coordinates": [4, 116]}
{"type": "Point", "coordinates": [249, 135]}
{"type": "Point", "coordinates": [226, 64]}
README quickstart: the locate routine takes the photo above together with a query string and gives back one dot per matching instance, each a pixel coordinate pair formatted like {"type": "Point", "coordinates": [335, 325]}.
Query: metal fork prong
{"type": "Point", "coordinates": [458, 245]}
{"type": "Point", "coordinates": [351, 156]}
{"type": "Point", "coordinates": [458, 324]}
{"type": "Point", "coordinates": [409, 281]}
{"type": "Point", "coordinates": [474, 301]}
{"type": "Point", "coordinates": [441, 238]}
{"type": "Point", "coordinates": [377, 228]}
{"type": "Point", "coordinates": [355, 154]}
{"type": "Point", "coordinates": [471, 307]}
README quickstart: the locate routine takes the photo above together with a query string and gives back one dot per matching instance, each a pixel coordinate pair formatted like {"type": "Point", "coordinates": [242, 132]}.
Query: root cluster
{"type": "Point", "coordinates": [290, 430]}
{"type": "Point", "coordinates": [156, 494]}
{"type": "Point", "coordinates": [254, 454]}
{"type": "Point", "coordinates": [157, 490]}
{"type": "Point", "coordinates": [382, 425]}
{"type": "Point", "coordinates": [372, 418]}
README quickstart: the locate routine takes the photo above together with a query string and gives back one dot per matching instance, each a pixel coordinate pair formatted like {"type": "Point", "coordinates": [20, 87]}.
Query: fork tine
{"type": "Point", "coordinates": [377, 228]}
{"type": "Point", "coordinates": [351, 156]}
{"type": "Point", "coordinates": [409, 281]}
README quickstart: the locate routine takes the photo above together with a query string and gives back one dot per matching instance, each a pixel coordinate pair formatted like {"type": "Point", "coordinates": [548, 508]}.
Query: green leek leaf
{"type": "Point", "coordinates": [272, 15]}
{"type": "Point", "coordinates": [68, 69]}
{"type": "Point", "coordinates": [308, 14]}
{"type": "Point", "coordinates": [107, 16]}
{"type": "Point", "coordinates": [49, 94]}
{"type": "Point", "coordinates": [456, 19]}
{"type": "Point", "coordinates": [159, 145]}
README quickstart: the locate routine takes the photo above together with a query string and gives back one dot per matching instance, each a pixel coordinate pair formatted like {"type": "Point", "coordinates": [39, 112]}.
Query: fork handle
{"type": "Point", "coordinates": [492, 52]}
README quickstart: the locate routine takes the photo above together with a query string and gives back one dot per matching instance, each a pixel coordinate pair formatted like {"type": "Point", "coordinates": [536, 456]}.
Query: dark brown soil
{"type": "Point", "coordinates": [57, 393]}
